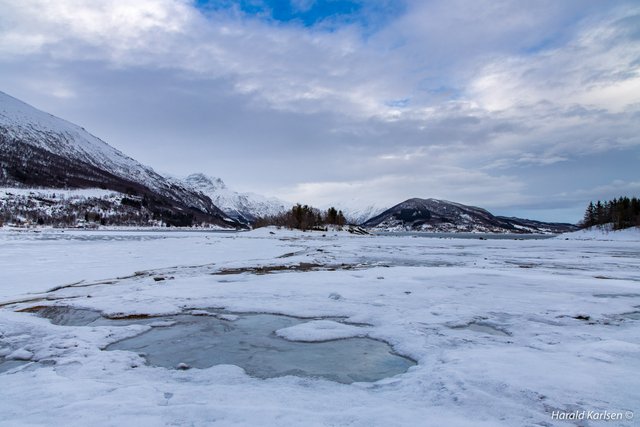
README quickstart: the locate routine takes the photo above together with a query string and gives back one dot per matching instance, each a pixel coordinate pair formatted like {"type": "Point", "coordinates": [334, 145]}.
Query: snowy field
{"type": "Point", "coordinates": [504, 332]}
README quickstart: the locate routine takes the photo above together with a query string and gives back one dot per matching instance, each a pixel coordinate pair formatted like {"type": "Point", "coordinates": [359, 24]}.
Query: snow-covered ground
{"type": "Point", "coordinates": [505, 332]}
{"type": "Point", "coordinates": [605, 232]}
{"type": "Point", "coordinates": [61, 193]}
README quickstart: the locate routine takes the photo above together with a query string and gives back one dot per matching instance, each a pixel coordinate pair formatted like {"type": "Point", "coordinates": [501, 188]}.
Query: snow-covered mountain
{"type": "Point", "coordinates": [41, 150]}
{"type": "Point", "coordinates": [444, 216]}
{"type": "Point", "coordinates": [358, 216]}
{"type": "Point", "coordinates": [243, 207]}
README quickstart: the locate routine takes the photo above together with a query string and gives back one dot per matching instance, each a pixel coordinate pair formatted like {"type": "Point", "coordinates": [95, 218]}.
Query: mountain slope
{"type": "Point", "coordinates": [85, 208]}
{"type": "Point", "coordinates": [41, 150]}
{"type": "Point", "coordinates": [443, 216]}
{"type": "Point", "coordinates": [243, 207]}
{"type": "Point", "coordinates": [539, 226]}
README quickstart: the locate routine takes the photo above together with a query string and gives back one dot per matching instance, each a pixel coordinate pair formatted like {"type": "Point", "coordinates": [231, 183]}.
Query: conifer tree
{"type": "Point", "coordinates": [622, 212]}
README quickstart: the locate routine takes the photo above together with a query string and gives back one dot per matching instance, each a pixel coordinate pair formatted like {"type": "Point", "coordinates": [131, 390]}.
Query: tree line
{"type": "Point", "coordinates": [623, 212]}
{"type": "Point", "coordinates": [304, 217]}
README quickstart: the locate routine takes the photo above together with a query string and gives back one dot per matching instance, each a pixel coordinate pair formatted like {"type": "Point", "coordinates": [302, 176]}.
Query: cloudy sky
{"type": "Point", "coordinates": [524, 108]}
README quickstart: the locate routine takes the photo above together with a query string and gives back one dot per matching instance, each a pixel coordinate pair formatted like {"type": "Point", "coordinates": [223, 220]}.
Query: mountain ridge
{"type": "Point", "coordinates": [444, 216]}
{"type": "Point", "coordinates": [38, 149]}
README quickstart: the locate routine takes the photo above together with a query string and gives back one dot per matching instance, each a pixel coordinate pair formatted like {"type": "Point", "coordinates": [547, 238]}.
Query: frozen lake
{"type": "Point", "coordinates": [504, 332]}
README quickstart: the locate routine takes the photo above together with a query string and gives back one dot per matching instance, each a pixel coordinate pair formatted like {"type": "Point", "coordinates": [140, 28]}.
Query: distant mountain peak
{"type": "Point", "coordinates": [205, 181]}
{"type": "Point", "coordinates": [243, 207]}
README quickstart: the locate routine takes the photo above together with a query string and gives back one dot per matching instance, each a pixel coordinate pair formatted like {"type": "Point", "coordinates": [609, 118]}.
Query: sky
{"type": "Point", "coordinates": [529, 109]}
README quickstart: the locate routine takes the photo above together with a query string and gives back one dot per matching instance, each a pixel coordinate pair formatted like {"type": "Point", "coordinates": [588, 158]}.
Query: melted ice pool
{"type": "Point", "coordinates": [250, 342]}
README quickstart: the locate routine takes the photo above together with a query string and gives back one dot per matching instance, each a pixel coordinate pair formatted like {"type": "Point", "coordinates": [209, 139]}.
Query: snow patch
{"type": "Point", "coordinates": [20, 354]}
{"type": "Point", "coordinates": [320, 330]}
{"type": "Point", "coordinates": [604, 233]}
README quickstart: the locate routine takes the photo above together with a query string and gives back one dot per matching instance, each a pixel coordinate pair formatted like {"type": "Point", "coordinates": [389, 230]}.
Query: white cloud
{"type": "Point", "coordinates": [302, 5]}
{"type": "Point", "coordinates": [599, 68]}
{"type": "Point", "coordinates": [111, 26]}
{"type": "Point", "coordinates": [443, 182]}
